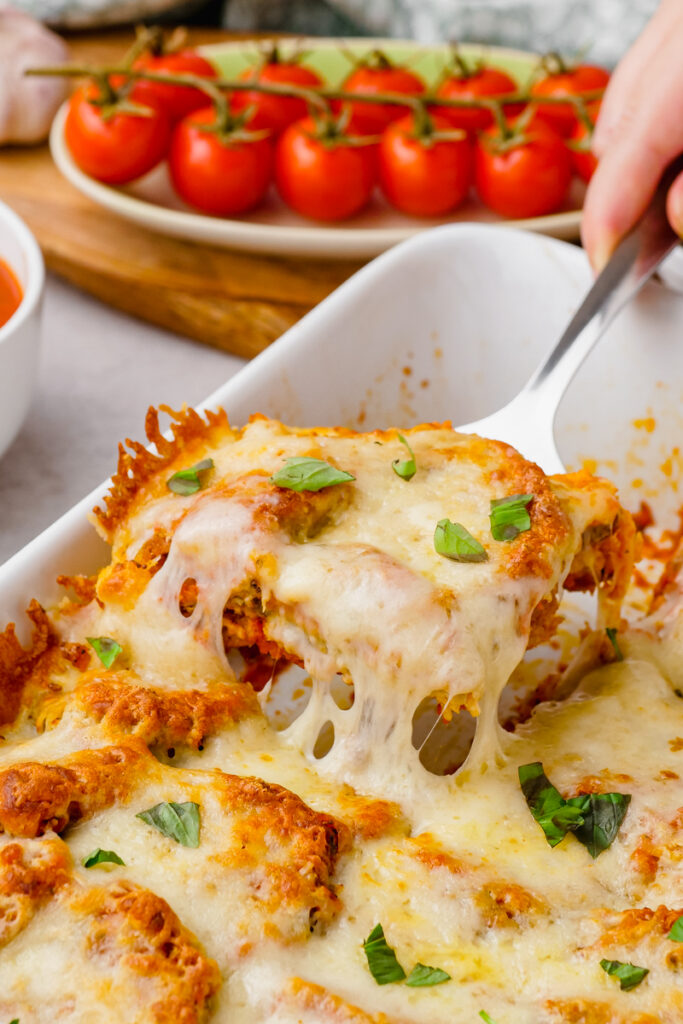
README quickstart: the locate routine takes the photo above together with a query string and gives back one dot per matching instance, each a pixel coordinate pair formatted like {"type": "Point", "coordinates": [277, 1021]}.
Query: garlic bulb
{"type": "Point", "coordinates": [27, 105]}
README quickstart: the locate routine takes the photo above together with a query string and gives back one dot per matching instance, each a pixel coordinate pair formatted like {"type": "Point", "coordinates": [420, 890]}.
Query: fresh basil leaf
{"type": "Point", "coordinates": [422, 976]}
{"type": "Point", "coordinates": [177, 821]}
{"type": "Point", "coordinates": [99, 856]}
{"type": "Point", "coordinates": [594, 818]}
{"type": "Point", "coordinates": [676, 933]}
{"type": "Point", "coordinates": [189, 481]}
{"type": "Point", "coordinates": [509, 516]}
{"type": "Point", "coordinates": [304, 474]}
{"type": "Point", "coordinates": [629, 975]}
{"type": "Point", "coordinates": [15, 1021]}
{"type": "Point", "coordinates": [454, 541]}
{"type": "Point", "coordinates": [382, 961]}
{"type": "Point", "coordinates": [602, 815]}
{"type": "Point", "coordinates": [612, 635]}
{"type": "Point", "coordinates": [552, 812]}
{"type": "Point", "coordinates": [106, 649]}
{"type": "Point", "coordinates": [486, 1017]}
{"type": "Point", "coordinates": [408, 468]}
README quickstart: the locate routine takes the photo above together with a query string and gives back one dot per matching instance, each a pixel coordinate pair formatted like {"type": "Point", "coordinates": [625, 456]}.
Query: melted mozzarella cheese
{"type": "Point", "coordinates": [367, 596]}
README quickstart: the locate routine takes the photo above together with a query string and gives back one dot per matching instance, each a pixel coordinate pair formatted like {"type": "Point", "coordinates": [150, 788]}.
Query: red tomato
{"type": "Point", "coordinates": [366, 80]}
{"type": "Point", "coordinates": [326, 179]}
{"type": "Point", "coordinates": [275, 113]}
{"type": "Point", "coordinates": [220, 176]}
{"type": "Point", "coordinates": [583, 160]}
{"type": "Point", "coordinates": [424, 175]}
{"type": "Point", "coordinates": [483, 83]}
{"type": "Point", "coordinates": [581, 79]}
{"type": "Point", "coordinates": [529, 179]}
{"type": "Point", "coordinates": [114, 149]}
{"type": "Point", "coordinates": [177, 100]}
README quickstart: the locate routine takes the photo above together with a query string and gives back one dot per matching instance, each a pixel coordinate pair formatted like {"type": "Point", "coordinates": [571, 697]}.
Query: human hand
{"type": "Point", "coordinates": [639, 132]}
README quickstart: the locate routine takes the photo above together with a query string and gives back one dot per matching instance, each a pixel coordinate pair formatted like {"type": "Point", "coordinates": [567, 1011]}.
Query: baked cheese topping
{"type": "Point", "coordinates": [171, 850]}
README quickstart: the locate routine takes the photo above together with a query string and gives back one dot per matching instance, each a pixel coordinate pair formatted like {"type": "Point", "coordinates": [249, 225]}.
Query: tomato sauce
{"type": "Point", "coordinates": [10, 293]}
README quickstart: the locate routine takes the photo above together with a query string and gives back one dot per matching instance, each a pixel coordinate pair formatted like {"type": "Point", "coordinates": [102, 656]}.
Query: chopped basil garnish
{"type": "Point", "coordinates": [602, 815]}
{"type": "Point", "coordinates": [486, 1017]}
{"type": "Point", "coordinates": [99, 856]}
{"type": "Point", "coordinates": [676, 933]}
{"type": "Point", "coordinates": [422, 976]}
{"type": "Point", "coordinates": [612, 636]}
{"type": "Point", "coordinates": [509, 516]}
{"type": "Point", "coordinates": [408, 468]}
{"type": "Point", "coordinates": [106, 649]}
{"type": "Point", "coordinates": [548, 807]}
{"type": "Point", "coordinates": [629, 975]}
{"type": "Point", "coordinates": [304, 474]}
{"type": "Point", "coordinates": [189, 481]}
{"type": "Point", "coordinates": [454, 541]}
{"type": "Point", "coordinates": [384, 967]}
{"type": "Point", "coordinates": [594, 818]}
{"type": "Point", "coordinates": [177, 821]}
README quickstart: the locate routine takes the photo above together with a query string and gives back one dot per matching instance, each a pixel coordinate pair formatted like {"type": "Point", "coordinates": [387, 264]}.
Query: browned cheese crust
{"type": "Point", "coordinates": [137, 467]}
{"type": "Point", "coordinates": [36, 798]}
{"type": "Point", "coordinates": [319, 1003]}
{"type": "Point", "coordinates": [18, 663]}
{"type": "Point", "coordinates": [288, 851]}
{"type": "Point", "coordinates": [168, 718]}
{"type": "Point", "coordinates": [588, 1011]}
{"type": "Point", "coordinates": [30, 875]}
{"type": "Point", "coordinates": [135, 930]}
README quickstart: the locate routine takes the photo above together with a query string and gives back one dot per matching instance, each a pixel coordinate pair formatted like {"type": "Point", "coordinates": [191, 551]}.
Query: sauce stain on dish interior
{"type": "Point", "coordinates": [10, 293]}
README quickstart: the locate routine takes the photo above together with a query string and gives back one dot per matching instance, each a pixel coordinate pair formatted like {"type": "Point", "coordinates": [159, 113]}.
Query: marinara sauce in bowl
{"type": "Point", "coordinates": [10, 293]}
{"type": "Point", "coordinates": [22, 277]}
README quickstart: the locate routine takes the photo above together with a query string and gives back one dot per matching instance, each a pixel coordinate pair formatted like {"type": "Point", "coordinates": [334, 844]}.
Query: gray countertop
{"type": "Point", "coordinates": [100, 370]}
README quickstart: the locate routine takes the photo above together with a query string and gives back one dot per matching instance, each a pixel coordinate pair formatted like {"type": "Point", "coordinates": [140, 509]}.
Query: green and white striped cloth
{"type": "Point", "coordinates": [602, 30]}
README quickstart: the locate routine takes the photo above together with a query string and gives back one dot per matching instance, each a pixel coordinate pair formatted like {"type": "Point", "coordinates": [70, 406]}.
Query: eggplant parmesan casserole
{"type": "Point", "coordinates": [237, 776]}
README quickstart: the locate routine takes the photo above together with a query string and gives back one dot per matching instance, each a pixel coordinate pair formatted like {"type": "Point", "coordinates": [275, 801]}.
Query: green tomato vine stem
{"type": "Point", "coordinates": [320, 99]}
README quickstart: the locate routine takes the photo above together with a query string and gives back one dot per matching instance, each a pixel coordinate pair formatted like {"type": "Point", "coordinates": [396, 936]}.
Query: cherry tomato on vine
{"type": "Point", "coordinates": [114, 147]}
{"type": "Point", "coordinates": [177, 100]}
{"type": "Point", "coordinates": [583, 160]}
{"type": "Point", "coordinates": [527, 176]}
{"type": "Point", "coordinates": [321, 173]}
{"type": "Point", "coordinates": [221, 173]}
{"type": "Point", "coordinates": [567, 82]}
{"type": "Point", "coordinates": [480, 83]}
{"type": "Point", "coordinates": [423, 169]}
{"type": "Point", "coordinates": [275, 113]}
{"type": "Point", "coordinates": [376, 75]}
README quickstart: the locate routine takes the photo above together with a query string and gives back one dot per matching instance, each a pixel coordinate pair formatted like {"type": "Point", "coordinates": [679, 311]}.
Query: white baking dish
{"type": "Point", "coordinates": [446, 326]}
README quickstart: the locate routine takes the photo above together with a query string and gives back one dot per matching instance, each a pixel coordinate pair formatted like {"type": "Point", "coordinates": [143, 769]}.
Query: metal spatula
{"type": "Point", "coordinates": [527, 421]}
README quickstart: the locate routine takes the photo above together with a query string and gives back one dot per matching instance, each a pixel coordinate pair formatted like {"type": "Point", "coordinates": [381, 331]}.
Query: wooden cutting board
{"type": "Point", "coordinates": [235, 301]}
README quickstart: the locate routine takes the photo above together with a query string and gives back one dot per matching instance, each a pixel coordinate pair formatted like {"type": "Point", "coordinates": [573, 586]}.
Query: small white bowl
{"type": "Point", "coordinates": [20, 336]}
